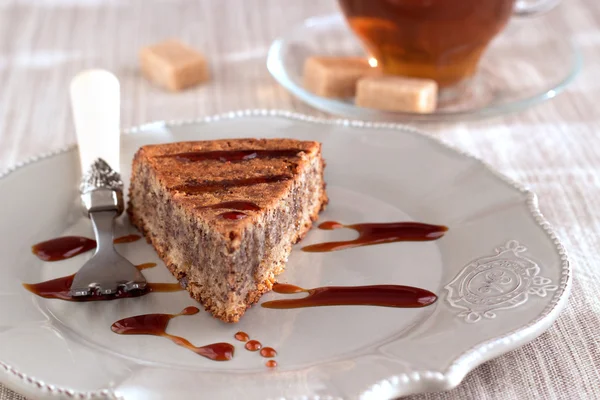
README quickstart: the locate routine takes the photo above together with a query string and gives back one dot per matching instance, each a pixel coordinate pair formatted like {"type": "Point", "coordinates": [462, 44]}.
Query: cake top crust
{"type": "Point", "coordinates": [228, 183]}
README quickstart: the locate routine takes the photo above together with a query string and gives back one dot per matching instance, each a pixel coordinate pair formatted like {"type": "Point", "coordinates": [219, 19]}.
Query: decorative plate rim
{"type": "Point", "coordinates": [436, 380]}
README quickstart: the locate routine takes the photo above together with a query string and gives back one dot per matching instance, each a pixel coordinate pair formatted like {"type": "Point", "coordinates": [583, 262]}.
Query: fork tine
{"type": "Point", "coordinates": [77, 292]}
{"type": "Point", "coordinates": [107, 290]}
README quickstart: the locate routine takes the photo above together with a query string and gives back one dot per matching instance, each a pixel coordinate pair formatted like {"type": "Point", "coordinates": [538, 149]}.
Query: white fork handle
{"type": "Point", "coordinates": [95, 100]}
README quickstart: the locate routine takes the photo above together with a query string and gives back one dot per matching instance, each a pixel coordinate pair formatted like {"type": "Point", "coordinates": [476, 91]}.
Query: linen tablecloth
{"type": "Point", "coordinates": [554, 147]}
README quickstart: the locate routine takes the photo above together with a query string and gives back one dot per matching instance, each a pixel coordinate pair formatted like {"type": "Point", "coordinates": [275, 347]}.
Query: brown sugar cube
{"type": "Point", "coordinates": [334, 76]}
{"type": "Point", "coordinates": [393, 93]}
{"type": "Point", "coordinates": [173, 65]}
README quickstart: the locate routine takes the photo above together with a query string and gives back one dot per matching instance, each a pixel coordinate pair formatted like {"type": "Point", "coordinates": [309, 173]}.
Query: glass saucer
{"type": "Point", "coordinates": [526, 64]}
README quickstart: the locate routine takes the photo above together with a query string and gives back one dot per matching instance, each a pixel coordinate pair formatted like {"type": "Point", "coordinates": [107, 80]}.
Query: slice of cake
{"type": "Point", "coordinates": [223, 214]}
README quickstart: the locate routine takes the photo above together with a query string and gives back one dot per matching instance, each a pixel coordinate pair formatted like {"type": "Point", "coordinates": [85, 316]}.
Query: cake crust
{"type": "Point", "coordinates": [180, 191]}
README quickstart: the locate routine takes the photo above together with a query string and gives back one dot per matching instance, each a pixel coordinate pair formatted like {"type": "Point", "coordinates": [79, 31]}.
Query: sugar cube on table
{"type": "Point", "coordinates": [173, 65]}
{"type": "Point", "coordinates": [334, 76]}
{"type": "Point", "coordinates": [394, 93]}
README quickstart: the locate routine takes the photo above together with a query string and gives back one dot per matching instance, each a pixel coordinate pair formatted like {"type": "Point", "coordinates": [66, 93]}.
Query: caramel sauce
{"type": "Point", "coordinates": [233, 215]}
{"type": "Point", "coordinates": [379, 233]}
{"type": "Point", "coordinates": [271, 364]}
{"type": "Point", "coordinates": [239, 205]}
{"type": "Point", "coordinates": [214, 186]}
{"type": "Point", "coordinates": [59, 289]}
{"type": "Point", "coordinates": [142, 267]}
{"type": "Point", "coordinates": [156, 325]}
{"type": "Point", "coordinates": [286, 288]}
{"type": "Point", "coordinates": [375, 295]}
{"type": "Point", "coordinates": [253, 345]}
{"type": "Point", "coordinates": [268, 352]}
{"type": "Point", "coordinates": [127, 239]}
{"type": "Point", "coordinates": [242, 336]}
{"type": "Point", "coordinates": [232, 155]}
{"type": "Point", "coordinates": [66, 247]}
{"type": "Point", "coordinates": [62, 248]}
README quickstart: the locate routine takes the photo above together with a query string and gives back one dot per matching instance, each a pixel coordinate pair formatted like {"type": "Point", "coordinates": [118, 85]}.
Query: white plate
{"type": "Point", "coordinates": [500, 273]}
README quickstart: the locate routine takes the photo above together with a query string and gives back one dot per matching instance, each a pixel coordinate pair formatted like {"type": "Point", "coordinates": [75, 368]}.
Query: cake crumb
{"type": "Point", "coordinates": [395, 93]}
{"type": "Point", "coordinates": [334, 77]}
{"type": "Point", "coordinates": [173, 65]}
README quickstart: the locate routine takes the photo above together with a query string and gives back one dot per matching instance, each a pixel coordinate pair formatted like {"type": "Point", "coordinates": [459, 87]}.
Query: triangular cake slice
{"type": "Point", "coordinates": [223, 214]}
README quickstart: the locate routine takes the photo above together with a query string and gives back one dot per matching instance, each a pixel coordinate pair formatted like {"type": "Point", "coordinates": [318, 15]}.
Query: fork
{"type": "Point", "coordinates": [95, 103]}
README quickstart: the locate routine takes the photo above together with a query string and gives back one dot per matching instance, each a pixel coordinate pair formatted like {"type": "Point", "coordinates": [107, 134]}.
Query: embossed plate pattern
{"type": "Point", "coordinates": [501, 275]}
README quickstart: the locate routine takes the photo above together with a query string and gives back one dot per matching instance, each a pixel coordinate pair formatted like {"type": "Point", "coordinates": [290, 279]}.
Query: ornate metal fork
{"type": "Point", "coordinates": [94, 94]}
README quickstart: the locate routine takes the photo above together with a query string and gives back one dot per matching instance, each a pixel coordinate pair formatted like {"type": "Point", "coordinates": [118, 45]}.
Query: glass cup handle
{"type": "Point", "coordinates": [527, 8]}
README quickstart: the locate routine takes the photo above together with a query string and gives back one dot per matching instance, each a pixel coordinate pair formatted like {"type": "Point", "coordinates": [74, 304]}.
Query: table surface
{"type": "Point", "coordinates": [553, 148]}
